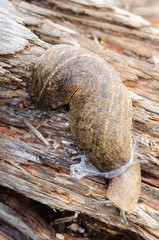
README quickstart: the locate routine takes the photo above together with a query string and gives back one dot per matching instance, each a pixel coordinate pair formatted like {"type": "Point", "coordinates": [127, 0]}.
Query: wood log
{"type": "Point", "coordinates": [19, 219]}
{"type": "Point", "coordinates": [130, 44]}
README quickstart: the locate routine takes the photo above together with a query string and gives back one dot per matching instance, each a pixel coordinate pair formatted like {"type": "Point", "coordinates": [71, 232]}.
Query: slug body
{"type": "Point", "coordinates": [100, 110]}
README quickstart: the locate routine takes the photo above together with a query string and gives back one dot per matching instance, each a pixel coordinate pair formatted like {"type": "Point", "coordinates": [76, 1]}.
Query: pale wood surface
{"type": "Point", "coordinates": [128, 43]}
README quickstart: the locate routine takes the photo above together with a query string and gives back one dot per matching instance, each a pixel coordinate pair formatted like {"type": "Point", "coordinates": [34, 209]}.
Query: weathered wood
{"type": "Point", "coordinates": [25, 222]}
{"type": "Point", "coordinates": [127, 42]}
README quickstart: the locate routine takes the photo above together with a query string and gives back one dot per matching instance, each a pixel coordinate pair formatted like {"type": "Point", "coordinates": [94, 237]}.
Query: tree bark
{"type": "Point", "coordinates": [131, 45]}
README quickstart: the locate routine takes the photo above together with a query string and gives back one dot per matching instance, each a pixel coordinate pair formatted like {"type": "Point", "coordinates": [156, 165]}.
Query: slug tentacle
{"type": "Point", "coordinates": [124, 216]}
{"type": "Point", "coordinates": [110, 202]}
{"type": "Point", "coordinates": [101, 202]}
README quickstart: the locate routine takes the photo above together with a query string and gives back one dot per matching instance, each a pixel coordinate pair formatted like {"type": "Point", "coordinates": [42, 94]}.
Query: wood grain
{"type": "Point", "coordinates": [130, 44]}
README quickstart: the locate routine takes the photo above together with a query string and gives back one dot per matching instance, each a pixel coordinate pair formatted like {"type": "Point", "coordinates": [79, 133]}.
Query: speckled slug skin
{"type": "Point", "coordinates": [100, 109]}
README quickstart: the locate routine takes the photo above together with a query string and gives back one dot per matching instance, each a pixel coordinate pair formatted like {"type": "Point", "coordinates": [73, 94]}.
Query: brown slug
{"type": "Point", "coordinates": [100, 112]}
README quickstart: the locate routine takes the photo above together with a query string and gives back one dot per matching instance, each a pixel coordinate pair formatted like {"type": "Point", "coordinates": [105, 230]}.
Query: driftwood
{"type": "Point", "coordinates": [131, 45]}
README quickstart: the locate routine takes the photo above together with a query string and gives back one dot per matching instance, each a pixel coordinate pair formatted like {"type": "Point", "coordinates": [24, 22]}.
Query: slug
{"type": "Point", "coordinates": [100, 113]}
